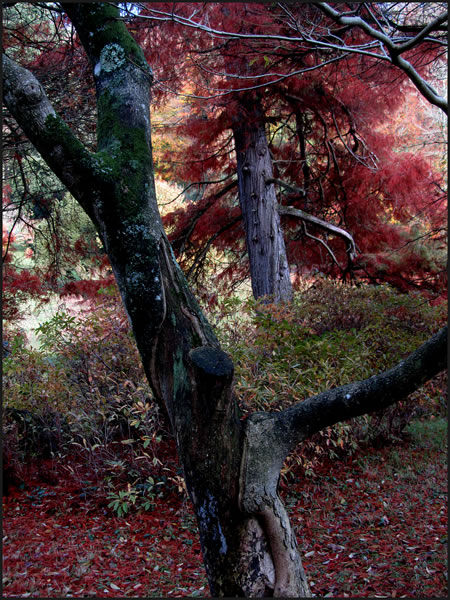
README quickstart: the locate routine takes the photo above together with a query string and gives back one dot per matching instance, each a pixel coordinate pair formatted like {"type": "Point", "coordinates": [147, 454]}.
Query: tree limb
{"type": "Point", "coordinates": [379, 391]}
{"type": "Point", "coordinates": [26, 100]}
{"type": "Point", "coordinates": [394, 51]}
{"type": "Point", "coordinates": [296, 212]}
{"type": "Point", "coordinates": [270, 437]}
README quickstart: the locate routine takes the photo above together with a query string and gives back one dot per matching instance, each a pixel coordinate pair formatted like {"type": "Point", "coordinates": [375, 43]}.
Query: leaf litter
{"type": "Point", "coordinates": [367, 525]}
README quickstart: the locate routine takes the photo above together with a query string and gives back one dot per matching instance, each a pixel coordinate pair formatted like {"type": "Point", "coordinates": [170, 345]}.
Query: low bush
{"type": "Point", "coordinates": [332, 334]}
{"type": "Point", "coordinates": [85, 389]}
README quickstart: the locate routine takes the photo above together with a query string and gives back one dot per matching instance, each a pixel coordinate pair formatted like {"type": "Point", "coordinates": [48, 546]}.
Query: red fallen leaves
{"type": "Point", "coordinates": [366, 529]}
{"type": "Point", "coordinates": [59, 542]}
{"type": "Point", "coordinates": [377, 531]}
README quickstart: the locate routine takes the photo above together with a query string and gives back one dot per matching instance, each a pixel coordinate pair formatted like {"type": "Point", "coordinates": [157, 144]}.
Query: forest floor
{"type": "Point", "coordinates": [369, 525]}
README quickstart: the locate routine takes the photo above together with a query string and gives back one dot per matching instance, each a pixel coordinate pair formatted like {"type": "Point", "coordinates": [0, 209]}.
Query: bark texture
{"type": "Point", "coordinates": [269, 268]}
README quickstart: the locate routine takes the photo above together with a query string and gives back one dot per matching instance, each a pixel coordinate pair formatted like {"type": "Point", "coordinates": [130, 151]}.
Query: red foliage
{"type": "Point", "coordinates": [328, 128]}
{"type": "Point", "coordinates": [355, 177]}
{"type": "Point", "coordinates": [18, 284]}
{"type": "Point", "coordinates": [362, 532]}
{"type": "Point", "coordinates": [86, 288]}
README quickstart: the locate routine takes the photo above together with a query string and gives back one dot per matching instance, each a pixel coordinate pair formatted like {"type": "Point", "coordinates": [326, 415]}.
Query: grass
{"type": "Point", "coordinates": [429, 434]}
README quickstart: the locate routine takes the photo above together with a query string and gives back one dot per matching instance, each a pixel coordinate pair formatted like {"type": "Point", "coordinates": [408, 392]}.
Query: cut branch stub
{"type": "Point", "coordinates": [213, 370]}
{"type": "Point", "coordinates": [212, 363]}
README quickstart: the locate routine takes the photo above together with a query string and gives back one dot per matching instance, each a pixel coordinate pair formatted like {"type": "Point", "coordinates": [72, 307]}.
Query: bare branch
{"type": "Point", "coordinates": [394, 51]}
{"type": "Point", "coordinates": [363, 397]}
{"type": "Point", "coordinates": [432, 26]}
{"type": "Point", "coordinates": [284, 430]}
{"type": "Point", "coordinates": [324, 244]}
{"type": "Point", "coordinates": [296, 212]}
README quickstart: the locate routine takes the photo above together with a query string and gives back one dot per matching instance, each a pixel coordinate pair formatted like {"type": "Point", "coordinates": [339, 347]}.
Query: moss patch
{"type": "Point", "coordinates": [102, 20]}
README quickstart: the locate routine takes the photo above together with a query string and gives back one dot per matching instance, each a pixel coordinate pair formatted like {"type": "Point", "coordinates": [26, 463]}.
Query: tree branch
{"type": "Point", "coordinates": [25, 98]}
{"type": "Point", "coordinates": [296, 212]}
{"type": "Point", "coordinates": [326, 246]}
{"type": "Point", "coordinates": [270, 437]}
{"type": "Point", "coordinates": [379, 391]}
{"type": "Point", "coordinates": [432, 26]}
{"type": "Point", "coordinates": [394, 51]}
{"type": "Point", "coordinates": [123, 92]}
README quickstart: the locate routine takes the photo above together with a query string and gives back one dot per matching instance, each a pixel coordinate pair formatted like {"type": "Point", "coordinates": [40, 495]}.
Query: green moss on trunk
{"type": "Point", "coordinates": [102, 19]}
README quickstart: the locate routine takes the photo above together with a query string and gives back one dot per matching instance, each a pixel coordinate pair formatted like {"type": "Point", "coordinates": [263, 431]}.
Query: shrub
{"type": "Point", "coordinates": [83, 391]}
{"type": "Point", "coordinates": [332, 334]}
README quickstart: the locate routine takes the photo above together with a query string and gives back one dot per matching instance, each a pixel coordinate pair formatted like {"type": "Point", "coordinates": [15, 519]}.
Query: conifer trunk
{"type": "Point", "coordinates": [269, 268]}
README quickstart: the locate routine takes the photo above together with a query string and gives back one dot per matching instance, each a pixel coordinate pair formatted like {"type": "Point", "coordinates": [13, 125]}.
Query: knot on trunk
{"type": "Point", "coordinates": [31, 92]}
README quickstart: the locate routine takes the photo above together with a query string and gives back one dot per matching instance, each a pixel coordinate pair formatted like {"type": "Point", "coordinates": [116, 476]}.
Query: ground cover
{"type": "Point", "coordinates": [371, 524]}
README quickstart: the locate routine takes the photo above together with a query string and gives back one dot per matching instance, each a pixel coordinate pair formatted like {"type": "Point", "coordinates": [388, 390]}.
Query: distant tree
{"type": "Point", "coordinates": [231, 466]}
{"type": "Point", "coordinates": [319, 113]}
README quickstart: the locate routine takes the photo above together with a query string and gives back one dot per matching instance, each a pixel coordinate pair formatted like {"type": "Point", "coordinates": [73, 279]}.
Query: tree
{"type": "Point", "coordinates": [269, 269]}
{"type": "Point", "coordinates": [332, 163]}
{"type": "Point", "coordinates": [231, 466]}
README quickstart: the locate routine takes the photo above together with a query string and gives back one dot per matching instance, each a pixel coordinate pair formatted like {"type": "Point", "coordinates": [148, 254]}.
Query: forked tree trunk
{"type": "Point", "coordinates": [231, 466]}
{"type": "Point", "coordinates": [190, 376]}
{"type": "Point", "coordinates": [269, 268]}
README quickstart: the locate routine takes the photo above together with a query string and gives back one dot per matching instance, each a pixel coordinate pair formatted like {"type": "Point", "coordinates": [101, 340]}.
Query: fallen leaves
{"type": "Point", "coordinates": [388, 537]}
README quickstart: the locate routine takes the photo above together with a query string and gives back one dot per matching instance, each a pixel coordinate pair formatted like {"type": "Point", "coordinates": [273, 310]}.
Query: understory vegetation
{"type": "Point", "coordinates": [84, 390]}
{"type": "Point", "coordinates": [83, 440]}
{"type": "Point", "coordinates": [373, 525]}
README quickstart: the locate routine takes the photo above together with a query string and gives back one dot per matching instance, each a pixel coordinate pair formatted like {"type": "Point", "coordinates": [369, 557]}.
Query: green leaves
{"type": "Point", "coordinates": [53, 333]}
{"type": "Point", "coordinates": [139, 496]}
{"type": "Point", "coordinates": [331, 335]}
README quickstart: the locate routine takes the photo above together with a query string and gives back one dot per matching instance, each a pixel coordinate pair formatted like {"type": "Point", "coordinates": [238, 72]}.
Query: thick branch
{"type": "Point", "coordinates": [296, 212]}
{"type": "Point", "coordinates": [379, 391]}
{"type": "Point", "coordinates": [269, 437]}
{"type": "Point", "coordinates": [25, 98]}
{"type": "Point", "coordinates": [122, 78]}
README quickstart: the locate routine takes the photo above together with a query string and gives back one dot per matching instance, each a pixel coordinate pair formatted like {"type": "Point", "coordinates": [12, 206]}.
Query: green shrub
{"type": "Point", "coordinates": [83, 391]}
{"type": "Point", "coordinates": [332, 334]}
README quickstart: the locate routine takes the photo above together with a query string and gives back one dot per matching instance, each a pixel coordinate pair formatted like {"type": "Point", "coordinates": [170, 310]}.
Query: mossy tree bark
{"type": "Point", "coordinates": [231, 466]}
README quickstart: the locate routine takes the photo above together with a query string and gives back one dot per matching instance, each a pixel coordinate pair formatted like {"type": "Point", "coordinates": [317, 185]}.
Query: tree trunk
{"type": "Point", "coordinates": [269, 268]}
{"type": "Point", "coordinates": [190, 376]}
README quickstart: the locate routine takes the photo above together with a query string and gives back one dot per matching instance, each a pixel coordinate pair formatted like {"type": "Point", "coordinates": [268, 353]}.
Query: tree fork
{"type": "Point", "coordinates": [262, 459]}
